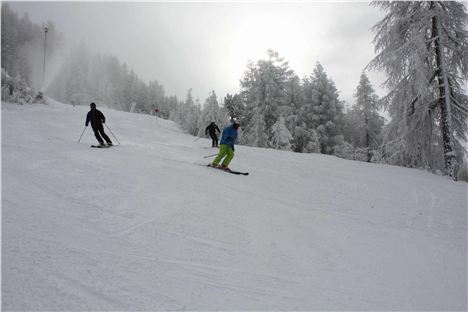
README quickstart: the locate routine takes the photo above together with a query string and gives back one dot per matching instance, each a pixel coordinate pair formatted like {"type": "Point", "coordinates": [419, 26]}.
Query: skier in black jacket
{"type": "Point", "coordinates": [97, 119]}
{"type": "Point", "coordinates": [212, 128]}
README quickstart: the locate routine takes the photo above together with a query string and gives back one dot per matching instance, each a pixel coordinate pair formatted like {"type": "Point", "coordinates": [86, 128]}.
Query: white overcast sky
{"type": "Point", "coordinates": [206, 45]}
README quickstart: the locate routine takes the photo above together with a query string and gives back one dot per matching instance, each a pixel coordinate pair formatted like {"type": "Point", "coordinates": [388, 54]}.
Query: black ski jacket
{"type": "Point", "coordinates": [96, 118]}
{"type": "Point", "coordinates": [212, 129]}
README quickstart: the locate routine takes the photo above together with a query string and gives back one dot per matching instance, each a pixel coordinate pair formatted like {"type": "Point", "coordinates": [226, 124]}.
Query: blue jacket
{"type": "Point", "coordinates": [229, 136]}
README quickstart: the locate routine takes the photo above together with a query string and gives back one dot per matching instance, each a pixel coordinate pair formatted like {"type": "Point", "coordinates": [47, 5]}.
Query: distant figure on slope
{"type": "Point", "coordinates": [97, 119]}
{"type": "Point", "coordinates": [211, 129]}
{"type": "Point", "coordinates": [226, 149]}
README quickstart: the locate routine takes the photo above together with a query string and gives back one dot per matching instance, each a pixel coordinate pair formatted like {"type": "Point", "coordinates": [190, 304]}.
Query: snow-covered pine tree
{"type": "Point", "coordinates": [173, 104]}
{"type": "Point", "coordinates": [292, 111]}
{"type": "Point", "coordinates": [422, 46]}
{"type": "Point", "coordinates": [234, 105]}
{"type": "Point", "coordinates": [281, 136]}
{"type": "Point", "coordinates": [192, 111]}
{"type": "Point", "coordinates": [130, 89]}
{"type": "Point", "coordinates": [263, 90]}
{"type": "Point", "coordinates": [16, 90]}
{"type": "Point", "coordinates": [256, 132]}
{"type": "Point", "coordinates": [211, 112]}
{"type": "Point", "coordinates": [186, 114]}
{"type": "Point", "coordinates": [303, 120]}
{"type": "Point", "coordinates": [323, 110]}
{"type": "Point", "coordinates": [181, 111]}
{"type": "Point", "coordinates": [366, 122]}
{"type": "Point", "coordinates": [306, 140]}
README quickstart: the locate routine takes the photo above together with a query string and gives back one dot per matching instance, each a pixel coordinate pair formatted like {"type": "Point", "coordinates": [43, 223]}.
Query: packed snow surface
{"type": "Point", "coordinates": [145, 226]}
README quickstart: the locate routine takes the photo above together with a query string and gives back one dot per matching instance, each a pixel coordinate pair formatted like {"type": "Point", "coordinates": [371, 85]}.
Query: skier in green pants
{"type": "Point", "coordinates": [226, 148]}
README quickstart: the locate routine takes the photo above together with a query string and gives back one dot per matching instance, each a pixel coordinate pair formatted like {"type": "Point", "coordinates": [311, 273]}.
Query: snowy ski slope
{"type": "Point", "coordinates": [144, 226]}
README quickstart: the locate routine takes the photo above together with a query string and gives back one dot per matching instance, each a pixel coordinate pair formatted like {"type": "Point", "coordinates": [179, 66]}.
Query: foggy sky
{"type": "Point", "coordinates": [206, 46]}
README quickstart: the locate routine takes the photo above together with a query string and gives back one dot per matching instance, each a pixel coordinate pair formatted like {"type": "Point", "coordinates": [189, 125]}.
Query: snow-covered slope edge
{"type": "Point", "coordinates": [144, 226]}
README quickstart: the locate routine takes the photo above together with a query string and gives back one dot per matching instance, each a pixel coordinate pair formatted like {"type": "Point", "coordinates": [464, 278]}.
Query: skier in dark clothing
{"type": "Point", "coordinates": [97, 119]}
{"type": "Point", "coordinates": [212, 128]}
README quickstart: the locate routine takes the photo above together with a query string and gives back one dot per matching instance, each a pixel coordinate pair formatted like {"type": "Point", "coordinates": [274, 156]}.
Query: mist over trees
{"type": "Point", "coordinates": [23, 55]}
{"type": "Point", "coordinates": [87, 77]}
{"type": "Point", "coordinates": [421, 46]}
{"type": "Point", "coordinates": [23, 46]}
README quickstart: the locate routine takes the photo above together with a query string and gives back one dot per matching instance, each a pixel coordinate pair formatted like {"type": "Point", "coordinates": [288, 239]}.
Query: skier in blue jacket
{"type": "Point", "coordinates": [226, 147]}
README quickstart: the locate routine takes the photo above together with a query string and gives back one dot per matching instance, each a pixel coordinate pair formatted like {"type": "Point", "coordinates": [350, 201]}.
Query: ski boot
{"type": "Point", "coordinates": [224, 167]}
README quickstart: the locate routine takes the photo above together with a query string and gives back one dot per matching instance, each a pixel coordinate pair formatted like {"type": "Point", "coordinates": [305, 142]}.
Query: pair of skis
{"type": "Point", "coordinates": [102, 146]}
{"type": "Point", "coordinates": [225, 170]}
{"type": "Point", "coordinates": [230, 171]}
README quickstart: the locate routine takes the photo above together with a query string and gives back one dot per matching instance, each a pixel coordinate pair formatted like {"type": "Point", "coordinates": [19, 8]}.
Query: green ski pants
{"type": "Point", "coordinates": [224, 150]}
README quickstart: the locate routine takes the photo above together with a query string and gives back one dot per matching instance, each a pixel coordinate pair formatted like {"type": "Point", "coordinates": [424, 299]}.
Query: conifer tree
{"type": "Point", "coordinates": [322, 109]}
{"type": "Point", "coordinates": [292, 112]}
{"type": "Point", "coordinates": [422, 48]}
{"type": "Point", "coordinates": [234, 105]}
{"type": "Point", "coordinates": [256, 131]}
{"type": "Point", "coordinates": [281, 135]}
{"type": "Point", "coordinates": [264, 92]}
{"type": "Point", "coordinates": [192, 114]}
{"type": "Point", "coordinates": [211, 112]}
{"type": "Point", "coordinates": [366, 123]}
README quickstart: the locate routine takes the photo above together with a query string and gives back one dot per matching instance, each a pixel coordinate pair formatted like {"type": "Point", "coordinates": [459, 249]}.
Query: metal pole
{"type": "Point", "coordinates": [112, 134]}
{"type": "Point", "coordinates": [210, 155]}
{"type": "Point", "coordinates": [82, 134]}
{"type": "Point", "coordinates": [46, 29]}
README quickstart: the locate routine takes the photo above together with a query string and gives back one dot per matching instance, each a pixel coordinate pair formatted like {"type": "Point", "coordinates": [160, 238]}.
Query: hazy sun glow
{"type": "Point", "coordinates": [258, 33]}
{"type": "Point", "coordinates": [205, 46]}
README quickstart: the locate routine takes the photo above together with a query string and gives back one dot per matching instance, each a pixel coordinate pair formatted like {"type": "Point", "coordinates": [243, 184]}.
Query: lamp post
{"type": "Point", "coordinates": [46, 29]}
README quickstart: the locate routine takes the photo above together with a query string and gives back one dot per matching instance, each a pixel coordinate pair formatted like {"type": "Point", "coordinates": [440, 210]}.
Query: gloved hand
{"type": "Point", "coordinates": [86, 124]}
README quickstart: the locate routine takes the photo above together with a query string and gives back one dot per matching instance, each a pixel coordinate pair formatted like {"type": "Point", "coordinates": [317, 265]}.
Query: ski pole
{"type": "Point", "coordinates": [210, 155]}
{"type": "Point", "coordinates": [113, 134]}
{"type": "Point", "coordinates": [197, 139]}
{"type": "Point", "coordinates": [82, 133]}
